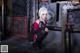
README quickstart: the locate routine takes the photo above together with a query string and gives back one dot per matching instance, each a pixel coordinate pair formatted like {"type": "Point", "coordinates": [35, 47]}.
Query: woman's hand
{"type": "Point", "coordinates": [46, 29]}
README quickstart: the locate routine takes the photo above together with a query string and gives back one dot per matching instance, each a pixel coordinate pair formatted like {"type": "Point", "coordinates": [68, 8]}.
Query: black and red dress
{"type": "Point", "coordinates": [39, 33]}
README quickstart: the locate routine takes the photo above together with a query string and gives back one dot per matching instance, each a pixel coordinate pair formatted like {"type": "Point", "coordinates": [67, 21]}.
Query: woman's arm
{"type": "Point", "coordinates": [43, 29]}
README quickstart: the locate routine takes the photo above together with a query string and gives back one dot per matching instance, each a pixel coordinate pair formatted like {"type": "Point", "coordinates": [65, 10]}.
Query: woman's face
{"type": "Point", "coordinates": [44, 16]}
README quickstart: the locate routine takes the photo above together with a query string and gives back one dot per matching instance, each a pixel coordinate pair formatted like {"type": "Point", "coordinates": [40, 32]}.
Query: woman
{"type": "Point", "coordinates": [39, 28]}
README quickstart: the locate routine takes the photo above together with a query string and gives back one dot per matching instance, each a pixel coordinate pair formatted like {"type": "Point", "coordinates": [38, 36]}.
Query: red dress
{"type": "Point", "coordinates": [39, 33]}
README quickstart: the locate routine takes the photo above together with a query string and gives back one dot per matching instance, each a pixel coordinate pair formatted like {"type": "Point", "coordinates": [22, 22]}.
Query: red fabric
{"type": "Point", "coordinates": [34, 37]}
{"type": "Point", "coordinates": [36, 26]}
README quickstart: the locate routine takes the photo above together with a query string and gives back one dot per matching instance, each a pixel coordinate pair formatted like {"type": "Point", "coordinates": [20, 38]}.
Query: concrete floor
{"type": "Point", "coordinates": [22, 45]}
{"type": "Point", "coordinates": [17, 44]}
